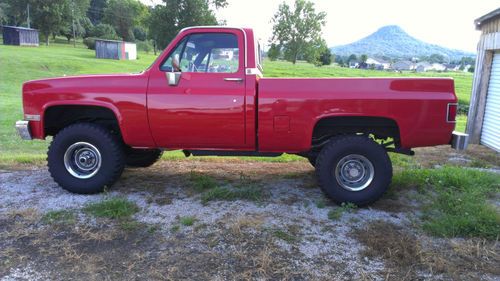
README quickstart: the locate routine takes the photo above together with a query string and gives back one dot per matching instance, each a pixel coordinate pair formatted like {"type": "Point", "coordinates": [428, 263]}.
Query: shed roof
{"type": "Point", "coordinates": [116, 41]}
{"type": "Point", "coordinates": [489, 16]}
{"type": "Point", "coordinates": [17, 27]}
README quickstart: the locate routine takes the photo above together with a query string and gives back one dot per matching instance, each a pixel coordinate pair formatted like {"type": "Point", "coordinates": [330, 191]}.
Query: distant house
{"type": "Point", "coordinates": [378, 63]}
{"type": "Point", "coordinates": [19, 36]}
{"type": "Point", "coordinates": [483, 121]}
{"type": "Point", "coordinates": [438, 67]}
{"type": "Point", "coordinates": [452, 67]}
{"type": "Point", "coordinates": [353, 64]}
{"type": "Point", "coordinates": [117, 50]}
{"type": "Point", "coordinates": [403, 65]}
{"type": "Point", "coordinates": [423, 66]}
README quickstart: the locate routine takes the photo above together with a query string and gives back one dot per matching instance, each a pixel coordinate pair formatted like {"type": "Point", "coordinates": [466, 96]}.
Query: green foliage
{"type": "Point", "coordinates": [89, 42]}
{"type": "Point", "coordinates": [139, 33]}
{"type": "Point", "coordinates": [201, 182]}
{"type": "Point", "coordinates": [321, 204]}
{"type": "Point", "coordinates": [284, 235]}
{"type": "Point", "coordinates": [113, 208]}
{"type": "Point", "coordinates": [167, 20]}
{"type": "Point", "coordinates": [187, 221]}
{"type": "Point", "coordinates": [103, 31]}
{"type": "Point", "coordinates": [96, 11]}
{"type": "Point", "coordinates": [297, 31]}
{"type": "Point", "coordinates": [123, 15]}
{"type": "Point", "coordinates": [456, 200]}
{"type": "Point", "coordinates": [274, 52]}
{"type": "Point", "coordinates": [363, 58]}
{"type": "Point", "coordinates": [4, 7]}
{"type": "Point", "coordinates": [59, 217]}
{"type": "Point", "coordinates": [144, 46]}
{"type": "Point", "coordinates": [337, 213]}
{"type": "Point", "coordinates": [52, 16]}
{"type": "Point", "coordinates": [325, 56]}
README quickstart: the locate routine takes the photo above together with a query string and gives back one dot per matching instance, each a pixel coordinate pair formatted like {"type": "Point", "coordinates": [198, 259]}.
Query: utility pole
{"type": "Point", "coordinates": [73, 22]}
{"type": "Point", "coordinates": [28, 15]}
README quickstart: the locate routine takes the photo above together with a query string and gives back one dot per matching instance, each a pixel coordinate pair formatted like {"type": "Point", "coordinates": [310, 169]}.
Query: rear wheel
{"type": "Point", "coordinates": [353, 169]}
{"type": "Point", "coordinates": [85, 158]}
{"type": "Point", "coordinates": [142, 157]}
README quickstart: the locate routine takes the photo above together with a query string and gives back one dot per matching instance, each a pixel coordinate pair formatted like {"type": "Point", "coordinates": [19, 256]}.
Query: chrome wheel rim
{"type": "Point", "coordinates": [82, 160]}
{"type": "Point", "coordinates": [354, 172]}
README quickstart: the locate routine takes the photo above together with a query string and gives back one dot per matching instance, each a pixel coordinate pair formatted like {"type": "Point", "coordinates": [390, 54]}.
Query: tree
{"type": "Point", "coordinates": [50, 16]}
{"type": "Point", "coordinates": [363, 58]}
{"type": "Point", "coordinates": [296, 30]}
{"type": "Point", "coordinates": [96, 11]}
{"type": "Point", "coordinates": [273, 53]}
{"type": "Point", "coordinates": [139, 33]}
{"type": "Point", "coordinates": [352, 58]}
{"type": "Point", "coordinates": [4, 7]}
{"type": "Point", "coordinates": [123, 15]}
{"type": "Point", "coordinates": [75, 19]}
{"type": "Point", "coordinates": [165, 21]}
{"type": "Point", "coordinates": [325, 56]}
{"type": "Point", "coordinates": [436, 58]}
{"type": "Point", "coordinates": [14, 12]}
{"type": "Point", "coordinates": [103, 31]}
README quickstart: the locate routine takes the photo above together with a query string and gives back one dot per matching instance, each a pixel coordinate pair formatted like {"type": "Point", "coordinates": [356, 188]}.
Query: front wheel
{"type": "Point", "coordinates": [353, 169]}
{"type": "Point", "coordinates": [85, 158]}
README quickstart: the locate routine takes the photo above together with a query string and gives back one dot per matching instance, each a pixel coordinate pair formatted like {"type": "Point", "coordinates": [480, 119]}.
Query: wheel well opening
{"type": "Point", "coordinates": [58, 117]}
{"type": "Point", "coordinates": [379, 127]}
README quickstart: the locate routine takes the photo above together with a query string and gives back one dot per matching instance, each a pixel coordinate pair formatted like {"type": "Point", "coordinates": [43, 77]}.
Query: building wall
{"type": "Point", "coordinates": [489, 42]}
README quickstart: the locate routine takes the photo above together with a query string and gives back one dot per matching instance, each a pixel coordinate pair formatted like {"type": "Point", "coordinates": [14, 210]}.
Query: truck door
{"type": "Point", "coordinates": [206, 107]}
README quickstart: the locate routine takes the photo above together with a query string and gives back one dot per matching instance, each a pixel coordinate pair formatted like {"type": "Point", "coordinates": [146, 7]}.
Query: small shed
{"type": "Point", "coordinates": [19, 36]}
{"type": "Point", "coordinates": [117, 50]}
{"type": "Point", "coordinates": [483, 123]}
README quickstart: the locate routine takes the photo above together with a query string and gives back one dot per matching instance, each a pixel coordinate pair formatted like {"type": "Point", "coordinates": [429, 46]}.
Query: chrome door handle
{"type": "Point", "coordinates": [233, 79]}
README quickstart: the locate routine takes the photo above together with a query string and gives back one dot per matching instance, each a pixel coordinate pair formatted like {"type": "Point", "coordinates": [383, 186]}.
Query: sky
{"type": "Point", "coordinates": [449, 23]}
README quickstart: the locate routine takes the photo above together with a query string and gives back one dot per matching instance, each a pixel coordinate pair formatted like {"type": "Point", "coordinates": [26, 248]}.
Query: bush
{"type": "Point", "coordinates": [139, 33]}
{"type": "Point", "coordinates": [144, 46]}
{"type": "Point", "coordinates": [89, 42]}
{"type": "Point", "coordinates": [103, 31]}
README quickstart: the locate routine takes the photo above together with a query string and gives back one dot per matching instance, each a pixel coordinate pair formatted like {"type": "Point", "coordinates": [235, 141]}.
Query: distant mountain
{"type": "Point", "coordinates": [394, 42]}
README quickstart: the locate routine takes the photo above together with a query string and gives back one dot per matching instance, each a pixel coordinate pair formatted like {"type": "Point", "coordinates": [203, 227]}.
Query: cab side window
{"type": "Point", "coordinates": [205, 52]}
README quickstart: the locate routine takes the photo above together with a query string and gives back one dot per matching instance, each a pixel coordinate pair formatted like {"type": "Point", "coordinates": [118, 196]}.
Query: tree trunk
{"type": "Point", "coordinates": [47, 39]}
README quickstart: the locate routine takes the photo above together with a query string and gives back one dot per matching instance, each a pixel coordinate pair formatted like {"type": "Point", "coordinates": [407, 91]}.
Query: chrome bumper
{"type": "Point", "coordinates": [23, 129]}
{"type": "Point", "coordinates": [459, 140]}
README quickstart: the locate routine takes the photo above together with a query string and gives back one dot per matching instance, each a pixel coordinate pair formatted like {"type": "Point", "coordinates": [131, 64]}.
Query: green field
{"type": "Point", "coordinates": [19, 64]}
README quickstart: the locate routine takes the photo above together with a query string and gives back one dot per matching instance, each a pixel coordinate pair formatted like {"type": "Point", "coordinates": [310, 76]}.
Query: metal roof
{"type": "Point", "coordinates": [116, 41]}
{"type": "Point", "coordinates": [17, 27]}
{"type": "Point", "coordinates": [489, 16]}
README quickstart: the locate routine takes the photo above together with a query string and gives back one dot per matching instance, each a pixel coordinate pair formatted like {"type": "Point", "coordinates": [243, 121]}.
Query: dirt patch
{"type": "Point", "coordinates": [477, 156]}
{"type": "Point", "coordinates": [413, 256]}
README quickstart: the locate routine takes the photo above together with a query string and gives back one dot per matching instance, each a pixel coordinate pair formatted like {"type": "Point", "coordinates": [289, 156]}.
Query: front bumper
{"type": "Point", "coordinates": [459, 140]}
{"type": "Point", "coordinates": [23, 129]}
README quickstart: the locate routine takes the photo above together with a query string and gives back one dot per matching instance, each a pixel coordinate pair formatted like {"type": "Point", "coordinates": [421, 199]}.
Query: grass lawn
{"type": "Point", "coordinates": [20, 64]}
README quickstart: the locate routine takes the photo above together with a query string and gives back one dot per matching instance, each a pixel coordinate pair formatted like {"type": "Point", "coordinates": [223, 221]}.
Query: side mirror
{"type": "Point", "coordinates": [173, 78]}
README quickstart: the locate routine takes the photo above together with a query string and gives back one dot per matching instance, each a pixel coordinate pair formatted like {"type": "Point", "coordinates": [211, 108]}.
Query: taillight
{"type": "Point", "coordinates": [451, 112]}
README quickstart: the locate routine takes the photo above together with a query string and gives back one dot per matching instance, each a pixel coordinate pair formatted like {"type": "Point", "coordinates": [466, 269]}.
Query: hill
{"type": "Point", "coordinates": [392, 41]}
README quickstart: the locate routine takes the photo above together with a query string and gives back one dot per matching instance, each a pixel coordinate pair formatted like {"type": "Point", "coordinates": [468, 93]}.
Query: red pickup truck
{"type": "Point", "coordinates": [205, 94]}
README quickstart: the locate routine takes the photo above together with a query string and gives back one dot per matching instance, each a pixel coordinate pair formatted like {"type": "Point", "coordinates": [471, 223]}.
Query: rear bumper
{"type": "Point", "coordinates": [23, 129]}
{"type": "Point", "coordinates": [459, 140]}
